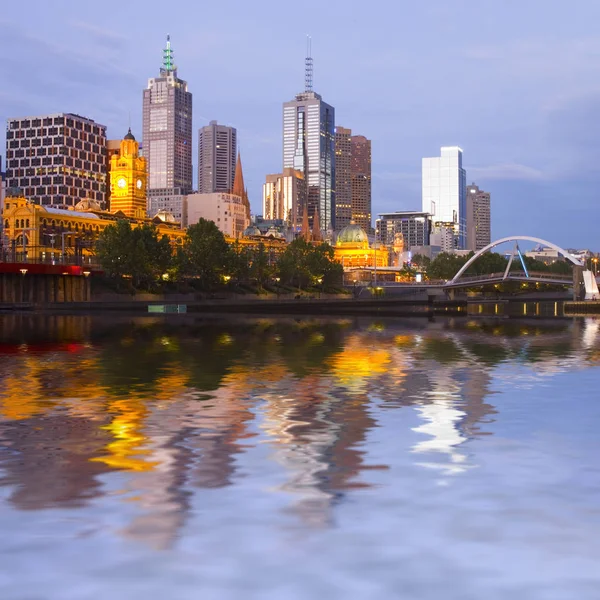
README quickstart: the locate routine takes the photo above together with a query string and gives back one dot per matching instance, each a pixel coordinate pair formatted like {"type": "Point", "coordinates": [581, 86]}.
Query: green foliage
{"type": "Point", "coordinates": [303, 265]}
{"type": "Point", "coordinates": [420, 261]}
{"type": "Point", "coordinates": [445, 266]}
{"type": "Point", "coordinates": [205, 253]}
{"type": "Point", "coordinates": [138, 253]}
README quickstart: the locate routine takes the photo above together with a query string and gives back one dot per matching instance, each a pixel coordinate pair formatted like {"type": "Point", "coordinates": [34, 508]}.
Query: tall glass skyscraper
{"type": "Point", "coordinates": [167, 138]}
{"type": "Point", "coordinates": [309, 147]}
{"type": "Point", "coordinates": [444, 193]}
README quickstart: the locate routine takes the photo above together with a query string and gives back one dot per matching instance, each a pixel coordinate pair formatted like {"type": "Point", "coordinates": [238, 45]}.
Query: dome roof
{"type": "Point", "coordinates": [352, 234]}
{"type": "Point", "coordinates": [87, 204]}
{"type": "Point", "coordinates": [129, 135]}
{"type": "Point", "coordinates": [165, 216]}
{"type": "Point", "coordinates": [272, 232]}
{"type": "Point", "coordinates": [250, 231]}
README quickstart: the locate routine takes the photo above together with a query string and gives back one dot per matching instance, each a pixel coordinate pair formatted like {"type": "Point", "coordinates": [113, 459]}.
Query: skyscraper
{"type": "Point", "coordinates": [343, 177]}
{"type": "Point", "coordinates": [352, 179]}
{"type": "Point", "coordinates": [309, 147]}
{"type": "Point", "coordinates": [167, 138]}
{"type": "Point", "coordinates": [57, 160]}
{"type": "Point", "coordinates": [360, 171]}
{"type": "Point", "coordinates": [444, 192]}
{"type": "Point", "coordinates": [217, 151]}
{"type": "Point", "coordinates": [479, 233]}
{"type": "Point", "coordinates": [282, 197]}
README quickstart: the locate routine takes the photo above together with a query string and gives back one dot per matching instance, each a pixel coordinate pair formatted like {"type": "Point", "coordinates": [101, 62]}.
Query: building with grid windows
{"type": "Point", "coordinates": [167, 139]}
{"type": "Point", "coordinates": [415, 228]}
{"type": "Point", "coordinates": [343, 177]}
{"type": "Point", "coordinates": [217, 152]}
{"type": "Point", "coordinates": [57, 160]}
{"type": "Point", "coordinates": [479, 233]}
{"type": "Point", "coordinates": [360, 173]}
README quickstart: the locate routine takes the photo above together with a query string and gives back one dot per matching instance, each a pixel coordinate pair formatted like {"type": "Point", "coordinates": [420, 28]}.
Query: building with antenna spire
{"type": "Point", "coordinates": [309, 147]}
{"type": "Point", "coordinates": [167, 138]}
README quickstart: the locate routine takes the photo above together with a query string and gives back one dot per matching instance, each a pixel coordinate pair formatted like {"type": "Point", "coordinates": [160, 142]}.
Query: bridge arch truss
{"type": "Point", "coordinates": [515, 238]}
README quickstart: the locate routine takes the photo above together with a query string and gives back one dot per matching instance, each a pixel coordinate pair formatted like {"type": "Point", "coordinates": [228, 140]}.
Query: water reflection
{"type": "Point", "coordinates": [152, 411]}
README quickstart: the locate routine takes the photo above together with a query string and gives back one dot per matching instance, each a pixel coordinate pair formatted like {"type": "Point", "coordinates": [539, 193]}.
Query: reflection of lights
{"type": "Point", "coordinates": [317, 338]}
{"type": "Point", "coordinates": [225, 339]}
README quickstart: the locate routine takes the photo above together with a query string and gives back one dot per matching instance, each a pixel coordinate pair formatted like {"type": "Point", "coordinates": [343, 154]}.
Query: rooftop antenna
{"type": "Point", "coordinates": [308, 66]}
{"type": "Point", "coordinates": [168, 64]}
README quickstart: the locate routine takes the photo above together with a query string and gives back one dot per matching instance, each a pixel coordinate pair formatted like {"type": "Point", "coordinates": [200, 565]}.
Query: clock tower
{"type": "Point", "coordinates": [128, 180]}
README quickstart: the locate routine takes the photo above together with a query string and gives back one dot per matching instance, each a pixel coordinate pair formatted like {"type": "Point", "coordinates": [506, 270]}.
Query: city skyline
{"type": "Point", "coordinates": [528, 150]}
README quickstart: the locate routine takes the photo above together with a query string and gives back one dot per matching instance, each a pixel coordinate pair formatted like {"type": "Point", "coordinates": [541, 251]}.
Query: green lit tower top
{"type": "Point", "coordinates": [168, 65]}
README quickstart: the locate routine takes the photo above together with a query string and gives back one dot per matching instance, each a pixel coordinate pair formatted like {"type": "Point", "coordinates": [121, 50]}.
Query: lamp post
{"type": "Point", "coordinates": [23, 272]}
{"type": "Point", "coordinates": [52, 237]}
{"type": "Point", "coordinates": [63, 243]}
{"type": "Point", "coordinates": [25, 241]}
{"type": "Point", "coordinates": [595, 265]}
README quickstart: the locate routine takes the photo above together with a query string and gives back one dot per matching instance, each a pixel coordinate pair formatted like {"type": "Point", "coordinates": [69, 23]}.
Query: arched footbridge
{"type": "Point", "coordinates": [591, 287]}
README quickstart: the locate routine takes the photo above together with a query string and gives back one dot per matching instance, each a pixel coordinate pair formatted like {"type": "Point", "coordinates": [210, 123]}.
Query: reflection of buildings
{"type": "Point", "coordinates": [132, 401]}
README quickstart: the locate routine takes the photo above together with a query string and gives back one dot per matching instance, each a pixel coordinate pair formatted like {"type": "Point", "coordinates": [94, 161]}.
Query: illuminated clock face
{"type": "Point", "coordinates": [139, 184]}
{"type": "Point", "coordinates": [121, 182]}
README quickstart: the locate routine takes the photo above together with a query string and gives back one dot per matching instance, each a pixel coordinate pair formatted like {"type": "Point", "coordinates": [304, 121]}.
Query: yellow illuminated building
{"type": "Point", "coordinates": [128, 179]}
{"type": "Point", "coordinates": [352, 249]}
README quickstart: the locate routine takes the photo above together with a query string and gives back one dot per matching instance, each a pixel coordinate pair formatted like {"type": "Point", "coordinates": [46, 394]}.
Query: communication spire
{"type": "Point", "coordinates": [168, 61]}
{"type": "Point", "coordinates": [308, 66]}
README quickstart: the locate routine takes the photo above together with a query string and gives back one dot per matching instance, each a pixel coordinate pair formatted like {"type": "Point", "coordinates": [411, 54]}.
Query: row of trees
{"type": "Point", "coordinates": [206, 258]}
{"type": "Point", "coordinates": [445, 265]}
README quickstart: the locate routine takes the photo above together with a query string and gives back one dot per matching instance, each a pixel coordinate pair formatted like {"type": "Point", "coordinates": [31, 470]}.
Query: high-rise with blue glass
{"type": "Point", "coordinates": [309, 147]}
{"type": "Point", "coordinates": [445, 193]}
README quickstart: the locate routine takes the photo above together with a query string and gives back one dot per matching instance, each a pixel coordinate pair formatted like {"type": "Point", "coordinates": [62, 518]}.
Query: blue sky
{"type": "Point", "coordinates": [514, 83]}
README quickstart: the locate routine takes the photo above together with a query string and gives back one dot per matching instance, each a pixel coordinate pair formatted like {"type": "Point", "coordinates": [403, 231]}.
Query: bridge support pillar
{"type": "Point", "coordinates": [578, 284]}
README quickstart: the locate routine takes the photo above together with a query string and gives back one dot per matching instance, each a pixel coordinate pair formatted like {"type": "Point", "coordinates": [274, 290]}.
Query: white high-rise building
{"type": "Point", "coordinates": [444, 192]}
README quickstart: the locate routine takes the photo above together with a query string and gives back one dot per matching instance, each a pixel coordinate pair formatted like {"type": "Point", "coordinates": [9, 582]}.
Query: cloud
{"type": "Point", "coordinates": [104, 36]}
{"type": "Point", "coordinates": [506, 171]}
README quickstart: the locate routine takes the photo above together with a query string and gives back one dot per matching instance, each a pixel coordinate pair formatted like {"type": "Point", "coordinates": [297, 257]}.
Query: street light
{"type": "Point", "coordinates": [595, 261]}
{"type": "Point", "coordinates": [63, 243]}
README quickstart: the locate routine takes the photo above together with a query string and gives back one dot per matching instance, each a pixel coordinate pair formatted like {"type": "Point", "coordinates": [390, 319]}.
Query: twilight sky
{"type": "Point", "coordinates": [514, 83]}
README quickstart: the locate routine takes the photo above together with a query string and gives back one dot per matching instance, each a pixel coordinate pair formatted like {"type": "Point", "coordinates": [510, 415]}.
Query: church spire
{"type": "Point", "coordinates": [316, 232]}
{"type": "Point", "coordinates": [239, 188]}
{"type": "Point", "coordinates": [305, 231]}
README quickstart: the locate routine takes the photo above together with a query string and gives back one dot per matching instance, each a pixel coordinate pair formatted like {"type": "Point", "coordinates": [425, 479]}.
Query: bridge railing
{"type": "Point", "coordinates": [534, 275]}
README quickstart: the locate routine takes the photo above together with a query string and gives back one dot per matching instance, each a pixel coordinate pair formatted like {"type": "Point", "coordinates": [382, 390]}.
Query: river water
{"type": "Point", "coordinates": [299, 458]}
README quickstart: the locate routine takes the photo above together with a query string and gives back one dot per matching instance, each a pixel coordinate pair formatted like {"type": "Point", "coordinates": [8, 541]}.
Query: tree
{"type": "Point", "coordinates": [138, 253]}
{"type": "Point", "coordinates": [303, 264]}
{"type": "Point", "coordinates": [445, 266]}
{"type": "Point", "coordinates": [420, 261]}
{"type": "Point", "coordinates": [205, 253]}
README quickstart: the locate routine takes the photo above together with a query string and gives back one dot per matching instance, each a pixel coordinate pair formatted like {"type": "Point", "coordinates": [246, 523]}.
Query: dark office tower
{"type": "Point", "coordinates": [167, 138]}
{"type": "Point", "coordinates": [56, 160]}
{"type": "Point", "coordinates": [360, 171]}
{"type": "Point", "coordinates": [343, 177]}
{"type": "Point", "coordinates": [217, 152]}
{"type": "Point", "coordinates": [479, 233]}
{"type": "Point", "coordinates": [309, 147]}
